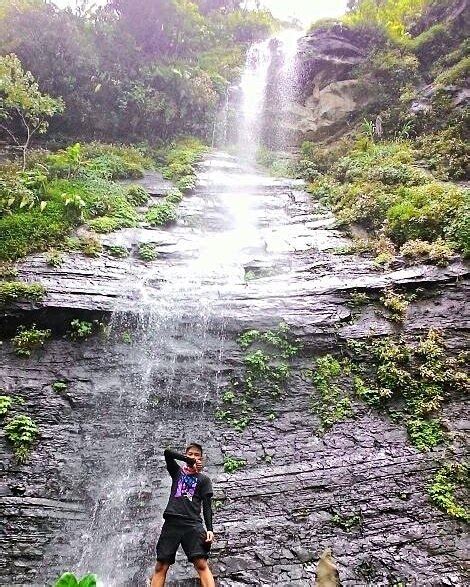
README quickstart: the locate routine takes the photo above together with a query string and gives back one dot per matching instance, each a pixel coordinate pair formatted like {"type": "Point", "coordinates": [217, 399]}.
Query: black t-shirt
{"type": "Point", "coordinates": [187, 492]}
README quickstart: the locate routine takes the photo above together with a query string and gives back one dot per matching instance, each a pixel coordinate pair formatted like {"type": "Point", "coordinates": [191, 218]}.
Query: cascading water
{"type": "Point", "coordinates": [267, 91]}
{"type": "Point", "coordinates": [171, 359]}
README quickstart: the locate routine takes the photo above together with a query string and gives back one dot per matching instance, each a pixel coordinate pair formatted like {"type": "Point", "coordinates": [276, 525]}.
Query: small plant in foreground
{"type": "Point", "coordinates": [396, 303]}
{"type": "Point", "coordinates": [332, 406]}
{"type": "Point", "coordinates": [161, 214]}
{"type": "Point", "coordinates": [59, 386]}
{"type": "Point", "coordinates": [147, 252]}
{"type": "Point", "coordinates": [11, 291]}
{"type": "Point", "coordinates": [54, 258]}
{"type": "Point", "coordinates": [345, 522]}
{"type": "Point", "coordinates": [358, 298]}
{"type": "Point", "coordinates": [70, 580]}
{"type": "Point", "coordinates": [27, 339]}
{"type": "Point", "coordinates": [137, 195]}
{"type": "Point", "coordinates": [444, 486]}
{"type": "Point", "coordinates": [6, 401]}
{"type": "Point", "coordinates": [118, 251]}
{"type": "Point", "coordinates": [81, 329]}
{"type": "Point", "coordinates": [21, 431]}
{"type": "Point", "coordinates": [232, 464]}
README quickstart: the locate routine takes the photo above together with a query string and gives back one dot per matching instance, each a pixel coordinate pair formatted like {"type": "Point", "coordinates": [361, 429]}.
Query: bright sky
{"type": "Point", "coordinates": [304, 10]}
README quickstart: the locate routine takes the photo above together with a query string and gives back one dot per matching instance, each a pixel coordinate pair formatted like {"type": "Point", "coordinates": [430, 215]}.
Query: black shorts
{"type": "Point", "coordinates": [191, 536]}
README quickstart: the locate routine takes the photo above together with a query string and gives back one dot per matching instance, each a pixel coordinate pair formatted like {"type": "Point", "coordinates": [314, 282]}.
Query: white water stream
{"type": "Point", "coordinates": [174, 356]}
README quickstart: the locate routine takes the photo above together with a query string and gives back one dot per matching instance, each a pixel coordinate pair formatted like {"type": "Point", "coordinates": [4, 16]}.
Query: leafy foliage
{"type": "Point", "coordinates": [70, 580]}
{"type": "Point", "coordinates": [22, 105]}
{"type": "Point", "coordinates": [264, 373]}
{"type": "Point", "coordinates": [21, 431]}
{"type": "Point", "coordinates": [28, 339]}
{"type": "Point", "coordinates": [11, 291]}
{"type": "Point", "coordinates": [442, 490]}
{"type": "Point", "coordinates": [233, 464]}
{"type": "Point", "coordinates": [147, 252]}
{"type": "Point", "coordinates": [161, 214]}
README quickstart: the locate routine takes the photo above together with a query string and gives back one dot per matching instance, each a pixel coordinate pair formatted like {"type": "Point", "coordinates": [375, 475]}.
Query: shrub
{"type": "Point", "coordinates": [439, 252]}
{"type": "Point", "coordinates": [81, 329]}
{"type": "Point", "coordinates": [396, 303]}
{"type": "Point", "coordinates": [88, 244]}
{"type": "Point", "coordinates": [147, 252]}
{"type": "Point", "coordinates": [59, 386]}
{"type": "Point", "coordinates": [232, 464]}
{"type": "Point", "coordinates": [423, 212]}
{"type": "Point", "coordinates": [8, 271]}
{"type": "Point", "coordinates": [54, 258]}
{"type": "Point", "coordinates": [21, 431]}
{"type": "Point", "coordinates": [6, 401]}
{"type": "Point", "coordinates": [27, 339]}
{"type": "Point", "coordinates": [103, 224]}
{"type": "Point", "coordinates": [174, 196]}
{"type": "Point", "coordinates": [70, 580]}
{"type": "Point", "coordinates": [446, 153]}
{"type": "Point", "coordinates": [137, 195]}
{"type": "Point", "coordinates": [117, 251]}
{"type": "Point", "coordinates": [11, 291]}
{"type": "Point", "coordinates": [161, 214]}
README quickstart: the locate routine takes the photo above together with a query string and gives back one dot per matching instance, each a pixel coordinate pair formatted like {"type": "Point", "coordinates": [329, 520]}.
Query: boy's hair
{"type": "Point", "coordinates": [194, 445]}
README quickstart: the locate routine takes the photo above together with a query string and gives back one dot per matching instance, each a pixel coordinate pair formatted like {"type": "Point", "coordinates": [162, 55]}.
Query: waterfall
{"type": "Point", "coordinates": [267, 91]}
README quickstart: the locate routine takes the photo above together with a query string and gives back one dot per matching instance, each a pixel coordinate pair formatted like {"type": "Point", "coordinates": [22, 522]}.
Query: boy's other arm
{"type": "Point", "coordinates": [172, 456]}
{"type": "Point", "coordinates": [207, 513]}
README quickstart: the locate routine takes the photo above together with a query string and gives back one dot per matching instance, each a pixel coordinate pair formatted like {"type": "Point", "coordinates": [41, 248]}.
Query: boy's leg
{"type": "Point", "coordinates": [159, 576]}
{"type": "Point", "coordinates": [201, 566]}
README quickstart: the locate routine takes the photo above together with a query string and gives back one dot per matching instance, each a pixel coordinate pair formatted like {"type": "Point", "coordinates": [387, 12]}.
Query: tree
{"type": "Point", "coordinates": [23, 108]}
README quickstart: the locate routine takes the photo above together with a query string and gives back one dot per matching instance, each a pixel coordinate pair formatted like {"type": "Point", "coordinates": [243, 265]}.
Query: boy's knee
{"type": "Point", "coordinates": [200, 564]}
{"type": "Point", "coordinates": [161, 567]}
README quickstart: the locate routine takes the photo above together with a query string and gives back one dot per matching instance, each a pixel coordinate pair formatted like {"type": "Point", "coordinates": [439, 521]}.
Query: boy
{"type": "Point", "coordinates": [183, 525]}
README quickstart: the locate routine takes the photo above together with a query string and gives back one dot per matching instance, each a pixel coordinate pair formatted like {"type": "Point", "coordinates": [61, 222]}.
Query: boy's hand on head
{"type": "Point", "coordinates": [191, 461]}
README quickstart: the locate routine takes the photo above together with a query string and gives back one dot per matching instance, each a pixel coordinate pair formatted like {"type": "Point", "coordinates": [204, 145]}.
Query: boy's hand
{"type": "Point", "coordinates": [210, 537]}
{"type": "Point", "coordinates": [198, 465]}
{"type": "Point", "coordinates": [191, 462]}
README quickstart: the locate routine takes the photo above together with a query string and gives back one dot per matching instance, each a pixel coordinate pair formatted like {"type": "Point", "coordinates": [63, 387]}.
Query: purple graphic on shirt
{"type": "Point", "coordinates": [186, 486]}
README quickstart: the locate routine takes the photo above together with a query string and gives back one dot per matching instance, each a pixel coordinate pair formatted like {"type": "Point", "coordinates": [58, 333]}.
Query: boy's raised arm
{"type": "Point", "coordinates": [172, 456]}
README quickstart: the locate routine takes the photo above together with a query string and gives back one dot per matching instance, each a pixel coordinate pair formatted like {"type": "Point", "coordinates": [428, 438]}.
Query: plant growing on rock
{"type": "Point", "coordinates": [147, 252]}
{"type": "Point", "coordinates": [444, 486]}
{"type": "Point", "coordinates": [264, 373]}
{"type": "Point", "coordinates": [117, 251]}
{"type": "Point", "coordinates": [28, 339]}
{"type": "Point", "coordinates": [439, 252]}
{"type": "Point", "coordinates": [82, 329]}
{"type": "Point", "coordinates": [54, 258]}
{"type": "Point", "coordinates": [396, 303]}
{"type": "Point", "coordinates": [233, 464]}
{"type": "Point", "coordinates": [417, 377]}
{"type": "Point", "coordinates": [21, 431]}
{"type": "Point", "coordinates": [161, 214]}
{"type": "Point", "coordinates": [6, 401]}
{"type": "Point", "coordinates": [12, 291]}
{"type": "Point", "coordinates": [332, 405]}
{"type": "Point", "coordinates": [59, 386]}
{"type": "Point", "coordinates": [137, 195]}
{"type": "Point", "coordinates": [8, 271]}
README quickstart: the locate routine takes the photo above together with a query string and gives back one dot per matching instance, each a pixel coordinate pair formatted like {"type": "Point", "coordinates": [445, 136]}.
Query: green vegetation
{"type": "Point", "coordinates": [22, 105]}
{"type": "Point", "coordinates": [438, 252]}
{"type": "Point", "coordinates": [266, 370]}
{"type": "Point", "coordinates": [21, 431]}
{"type": "Point", "coordinates": [6, 401]}
{"type": "Point", "coordinates": [333, 404]}
{"type": "Point", "coordinates": [28, 339]}
{"type": "Point", "coordinates": [233, 464]}
{"type": "Point", "coordinates": [380, 187]}
{"type": "Point", "coordinates": [444, 487]}
{"type": "Point", "coordinates": [137, 195]}
{"type": "Point", "coordinates": [70, 580]}
{"type": "Point", "coordinates": [147, 252]}
{"type": "Point", "coordinates": [59, 386]}
{"type": "Point", "coordinates": [396, 303]}
{"type": "Point", "coordinates": [161, 214]}
{"type": "Point", "coordinates": [409, 381]}
{"type": "Point", "coordinates": [118, 251]}
{"type": "Point", "coordinates": [348, 523]}
{"type": "Point", "coordinates": [54, 258]}
{"type": "Point", "coordinates": [82, 329]}
{"type": "Point", "coordinates": [12, 291]}
{"type": "Point", "coordinates": [150, 70]}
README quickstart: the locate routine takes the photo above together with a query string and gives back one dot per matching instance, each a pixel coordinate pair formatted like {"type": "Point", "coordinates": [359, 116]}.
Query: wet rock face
{"type": "Point", "coordinates": [326, 90]}
{"type": "Point", "coordinates": [91, 496]}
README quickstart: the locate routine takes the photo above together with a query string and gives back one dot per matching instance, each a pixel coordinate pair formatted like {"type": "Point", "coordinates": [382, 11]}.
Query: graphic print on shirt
{"type": "Point", "coordinates": [186, 486]}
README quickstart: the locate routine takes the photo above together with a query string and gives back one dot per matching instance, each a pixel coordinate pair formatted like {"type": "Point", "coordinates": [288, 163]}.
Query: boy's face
{"type": "Point", "coordinates": [196, 454]}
